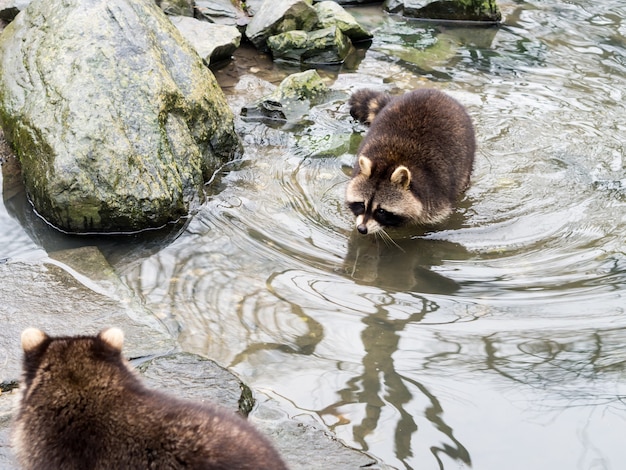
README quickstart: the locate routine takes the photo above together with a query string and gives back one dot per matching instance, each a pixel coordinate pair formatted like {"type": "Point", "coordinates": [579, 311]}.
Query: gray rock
{"type": "Point", "coordinates": [290, 100]}
{"type": "Point", "coordinates": [63, 299]}
{"type": "Point", "coordinates": [323, 46]}
{"type": "Point", "coordinates": [330, 13]}
{"type": "Point", "coordinates": [252, 7]}
{"type": "Point", "coordinates": [212, 42]}
{"type": "Point", "coordinates": [224, 12]}
{"type": "Point", "coordinates": [304, 443]}
{"type": "Point", "coordinates": [307, 85]}
{"type": "Point", "coordinates": [457, 10]}
{"type": "Point", "coordinates": [8, 402]}
{"type": "Point", "coordinates": [115, 119]}
{"type": "Point", "coordinates": [195, 377]}
{"type": "Point", "coordinates": [176, 7]}
{"type": "Point", "coordinates": [279, 16]}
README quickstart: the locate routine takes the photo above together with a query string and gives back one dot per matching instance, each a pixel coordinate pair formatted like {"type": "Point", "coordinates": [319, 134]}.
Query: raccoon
{"type": "Point", "coordinates": [83, 407]}
{"type": "Point", "coordinates": [414, 162]}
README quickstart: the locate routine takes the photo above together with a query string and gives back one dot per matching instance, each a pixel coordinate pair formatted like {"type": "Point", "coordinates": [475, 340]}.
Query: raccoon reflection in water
{"type": "Point", "coordinates": [414, 162]}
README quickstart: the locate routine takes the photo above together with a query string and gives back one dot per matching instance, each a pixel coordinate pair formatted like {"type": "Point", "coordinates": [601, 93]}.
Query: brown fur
{"type": "Point", "coordinates": [414, 162]}
{"type": "Point", "coordinates": [83, 407]}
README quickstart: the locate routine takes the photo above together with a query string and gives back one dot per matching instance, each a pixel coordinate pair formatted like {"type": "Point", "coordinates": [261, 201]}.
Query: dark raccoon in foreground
{"type": "Point", "coordinates": [414, 162]}
{"type": "Point", "coordinates": [83, 407]}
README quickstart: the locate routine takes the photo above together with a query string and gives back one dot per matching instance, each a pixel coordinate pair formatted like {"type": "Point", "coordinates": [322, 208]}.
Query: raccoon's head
{"type": "Point", "coordinates": [68, 358]}
{"type": "Point", "coordinates": [380, 201]}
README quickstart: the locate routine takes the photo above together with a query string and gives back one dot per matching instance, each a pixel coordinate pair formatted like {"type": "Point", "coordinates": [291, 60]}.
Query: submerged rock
{"type": "Point", "coordinates": [72, 292]}
{"type": "Point", "coordinates": [290, 100]}
{"type": "Point", "coordinates": [115, 119]}
{"type": "Point", "coordinates": [456, 10]}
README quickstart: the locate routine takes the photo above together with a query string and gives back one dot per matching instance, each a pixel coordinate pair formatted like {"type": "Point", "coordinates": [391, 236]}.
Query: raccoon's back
{"type": "Point", "coordinates": [428, 132]}
{"type": "Point", "coordinates": [144, 429]}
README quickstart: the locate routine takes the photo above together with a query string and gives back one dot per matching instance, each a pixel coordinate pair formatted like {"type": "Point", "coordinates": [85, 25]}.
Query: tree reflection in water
{"type": "Point", "coordinates": [370, 261]}
{"type": "Point", "coordinates": [380, 385]}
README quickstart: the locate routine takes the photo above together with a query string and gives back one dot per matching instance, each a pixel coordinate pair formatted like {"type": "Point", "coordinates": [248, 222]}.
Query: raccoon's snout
{"type": "Point", "coordinates": [362, 228]}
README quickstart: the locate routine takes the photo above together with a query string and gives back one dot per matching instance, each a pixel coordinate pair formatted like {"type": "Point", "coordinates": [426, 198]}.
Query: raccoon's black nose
{"type": "Point", "coordinates": [362, 229]}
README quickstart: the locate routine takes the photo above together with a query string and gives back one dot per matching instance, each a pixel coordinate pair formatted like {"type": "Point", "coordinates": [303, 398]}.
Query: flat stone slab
{"type": "Point", "coordinates": [66, 300]}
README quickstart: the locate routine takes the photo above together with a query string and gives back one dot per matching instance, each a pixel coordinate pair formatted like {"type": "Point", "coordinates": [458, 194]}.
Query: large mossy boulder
{"type": "Point", "coordinates": [116, 121]}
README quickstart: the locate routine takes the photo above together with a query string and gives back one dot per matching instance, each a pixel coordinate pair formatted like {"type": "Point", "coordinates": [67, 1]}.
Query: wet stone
{"type": "Point", "coordinates": [110, 139]}
{"type": "Point", "coordinates": [280, 16]}
{"type": "Point", "coordinates": [191, 376]}
{"type": "Point", "coordinates": [222, 12]}
{"type": "Point", "coordinates": [10, 8]}
{"type": "Point", "coordinates": [290, 100]}
{"type": "Point", "coordinates": [69, 302]}
{"type": "Point", "coordinates": [457, 10]}
{"type": "Point", "coordinates": [330, 13]}
{"type": "Point", "coordinates": [322, 46]}
{"type": "Point", "coordinates": [212, 42]}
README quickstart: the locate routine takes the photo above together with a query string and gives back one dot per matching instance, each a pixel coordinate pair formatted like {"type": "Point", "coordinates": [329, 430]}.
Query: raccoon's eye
{"type": "Point", "coordinates": [357, 208]}
{"type": "Point", "coordinates": [387, 218]}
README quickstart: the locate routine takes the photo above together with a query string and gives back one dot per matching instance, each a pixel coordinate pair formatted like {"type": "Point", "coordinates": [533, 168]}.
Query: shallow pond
{"type": "Point", "coordinates": [495, 341]}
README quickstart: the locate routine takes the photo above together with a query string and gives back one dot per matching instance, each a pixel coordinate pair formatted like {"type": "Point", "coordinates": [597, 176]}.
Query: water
{"type": "Point", "coordinates": [493, 342]}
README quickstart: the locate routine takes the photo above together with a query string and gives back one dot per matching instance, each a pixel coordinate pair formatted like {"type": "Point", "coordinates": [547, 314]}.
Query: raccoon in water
{"type": "Point", "coordinates": [82, 406]}
{"type": "Point", "coordinates": [414, 162]}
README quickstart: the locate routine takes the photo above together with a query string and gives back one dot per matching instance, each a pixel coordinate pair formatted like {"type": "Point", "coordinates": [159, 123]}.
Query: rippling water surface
{"type": "Point", "coordinates": [495, 341]}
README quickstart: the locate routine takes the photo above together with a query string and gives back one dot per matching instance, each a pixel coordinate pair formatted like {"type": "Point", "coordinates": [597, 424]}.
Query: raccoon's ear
{"type": "Point", "coordinates": [365, 164]}
{"type": "Point", "coordinates": [401, 176]}
{"type": "Point", "coordinates": [113, 337]}
{"type": "Point", "coordinates": [32, 338]}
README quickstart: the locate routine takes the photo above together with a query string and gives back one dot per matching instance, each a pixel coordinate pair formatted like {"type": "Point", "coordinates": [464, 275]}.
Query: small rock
{"type": "Point", "coordinates": [224, 12]}
{"type": "Point", "coordinates": [212, 42]}
{"type": "Point", "coordinates": [279, 16]}
{"type": "Point", "coordinates": [290, 100]}
{"type": "Point", "coordinates": [176, 7]}
{"type": "Point", "coordinates": [307, 85]}
{"type": "Point", "coordinates": [323, 46]}
{"type": "Point", "coordinates": [332, 14]}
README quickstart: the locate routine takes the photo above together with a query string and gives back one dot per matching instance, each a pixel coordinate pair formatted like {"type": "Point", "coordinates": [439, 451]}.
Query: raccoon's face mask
{"type": "Point", "coordinates": [379, 202]}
